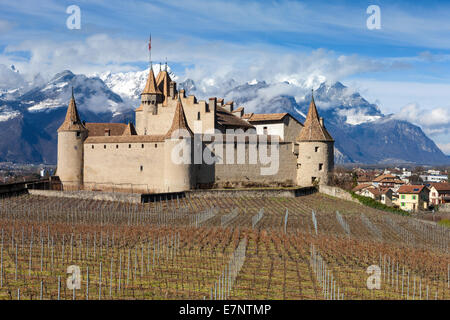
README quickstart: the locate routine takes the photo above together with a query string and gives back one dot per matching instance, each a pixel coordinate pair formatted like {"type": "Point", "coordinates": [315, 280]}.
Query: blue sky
{"type": "Point", "coordinates": [404, 67]}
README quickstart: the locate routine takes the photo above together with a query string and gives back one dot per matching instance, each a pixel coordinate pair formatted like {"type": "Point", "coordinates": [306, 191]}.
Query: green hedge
{"type": "Point", "coordinates": [377, 205]}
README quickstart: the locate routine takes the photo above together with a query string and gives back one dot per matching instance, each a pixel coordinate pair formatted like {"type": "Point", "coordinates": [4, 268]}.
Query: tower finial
{"type": "Point", "coordinates": [150, 50]}
{"type": "Point", "coordinates": [72, 93]}
{"type": "Point", "coordinates": [165, 67]}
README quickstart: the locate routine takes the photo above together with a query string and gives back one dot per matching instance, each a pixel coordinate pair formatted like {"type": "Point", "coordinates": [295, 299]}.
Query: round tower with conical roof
{"type": "Point", "coordinates": [71, 136]}
{"type": "Point", "coordinates": [315, 150]}
{"type": "Point", "coordinates": [178, 154]}
{"type": "Point", "coordinates": [151, 95]}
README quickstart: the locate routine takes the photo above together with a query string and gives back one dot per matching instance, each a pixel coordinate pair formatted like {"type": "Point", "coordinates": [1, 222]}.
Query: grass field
{"type": "Point", "coordinates": [218, 248]}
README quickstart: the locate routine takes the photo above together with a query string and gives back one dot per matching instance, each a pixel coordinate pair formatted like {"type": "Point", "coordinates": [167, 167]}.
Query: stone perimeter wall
{"type": "Point", "coordinates": [90, 195]}
{"type": "Point", "coordinates": [336, 192]}
{"type": "Point", "coordinates": [137, 197]}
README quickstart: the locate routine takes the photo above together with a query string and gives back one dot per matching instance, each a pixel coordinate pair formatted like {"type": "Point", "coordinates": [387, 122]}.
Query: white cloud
{"type": "Point", "coordinates": [445, 147]}
{"type": "Point", "coordinates": [433, 121]}
{"type": "Point", "coordinates": [10, 79]}
{"type": "Point", "coordinates": [208, 61]}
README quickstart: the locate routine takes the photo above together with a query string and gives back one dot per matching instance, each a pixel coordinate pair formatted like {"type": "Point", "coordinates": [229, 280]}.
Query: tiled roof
{"type": "Point", "coordinates": [256, 117]}
{"type": "Point", "coordinates": [129, 130]}
{"type": "Point", "coordinates": [247, 115]}
{"type": "Point", "coordinates": [125, 139]}
{"type": "Point", "coordinates": [72, 121]}
{"type": "Point", "coordinates": [441, 186]}
{"type": "Point", "coordinates": [384, 190]}
{"type": "Point", "coordinates": [98, 129]}
{"type": "Point", "coordinates": [383, 177]}
{"type": "Point", "coordinates": [374, 191]}
{"type": "Point", "coordinates": [163, 84]}
{"type": "Point", "coordinates": [227, 119]}
{"type": "Point", "coordinates": [237, 110]}
{"type": "Point", "coordinates": [179, 121]}
{"type": "Point", "coordinates": [150, 86]}
{"type": "Point", "coordinates": [312, 130]}
{"type": "Point", "coordinates": [411, 189]}
{"type": "Point", "coordinates": [362, 186]}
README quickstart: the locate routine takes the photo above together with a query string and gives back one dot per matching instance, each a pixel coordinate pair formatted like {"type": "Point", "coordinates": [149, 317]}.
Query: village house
{"type": "Point", "coordinates": [387, 196]}
{"type": "Point", "coordinates": [439, 193]}
{"type": "Point", "coordinates": [388, 181]}
{"type": "Point", "coordinates": [413, 197]}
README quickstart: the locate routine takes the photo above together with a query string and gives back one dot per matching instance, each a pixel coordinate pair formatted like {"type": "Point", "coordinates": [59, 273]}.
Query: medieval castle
{"type": "Point", "coordinates": [121, 157]}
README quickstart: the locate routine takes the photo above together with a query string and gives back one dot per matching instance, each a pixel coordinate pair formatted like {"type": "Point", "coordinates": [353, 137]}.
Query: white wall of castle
{"type": "Point", "coordinates": [276, 129]}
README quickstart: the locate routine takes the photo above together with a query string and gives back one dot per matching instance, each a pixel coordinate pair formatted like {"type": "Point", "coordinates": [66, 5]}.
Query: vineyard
{"type": "Point", "coordinates": [309, 247]}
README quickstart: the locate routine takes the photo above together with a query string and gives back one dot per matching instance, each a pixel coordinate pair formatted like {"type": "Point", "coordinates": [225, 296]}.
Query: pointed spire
{"type": "Point", "coordinates": [179, 121]}
{"type": "Point", "coordinates": [165, 67]}
{"type": "Point", "coordinates": [72, 121]}
{"type": "Point", "coordinates": [150, 86]}
{"type": "Point", "coordinates": [313, 130]}
{"type": "Point", "coordinates": [129, 130]}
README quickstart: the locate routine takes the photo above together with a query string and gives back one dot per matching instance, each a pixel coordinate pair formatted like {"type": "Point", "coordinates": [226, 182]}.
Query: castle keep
{"type": "Point", "coordinates": [122, 157]}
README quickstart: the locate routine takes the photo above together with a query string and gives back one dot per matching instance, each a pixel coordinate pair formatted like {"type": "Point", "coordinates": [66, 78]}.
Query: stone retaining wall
{"type": "Point", "coordinates": [91, 195]}
{"type": "Point", "coordinates": [253, 193]}
{"type": "Point", "coordinates": [336, 192]}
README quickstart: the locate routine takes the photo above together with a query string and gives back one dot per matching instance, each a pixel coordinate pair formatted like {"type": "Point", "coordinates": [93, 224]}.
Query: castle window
{"type": "Point", "coordinates": [313, 179]}
{"type": "Point", "coordinates": [142, 168]}
{"type": "Point", "coordinates": [198, 115]}
{"type": "Point", "coordinates": [320, 166]}
{"type": "Point", "coordinates": [92, 146]}
{"type": "Point", "coordinates": [142, 145]}
{"type": "Point", "coordinates": [117, 146]}
{"type": "Point", "coordinates": [156, 145]}
{"type": "Point", "coordinates": [129, 146]}
{"type": "Point", "coordinates": [104, 147]}
{"type": "Point", "coordinates": [78, 134]}
{"type": "Point", "coordinates": [265, 130]}
{"type": "Point", "coordinates": [316, 149]}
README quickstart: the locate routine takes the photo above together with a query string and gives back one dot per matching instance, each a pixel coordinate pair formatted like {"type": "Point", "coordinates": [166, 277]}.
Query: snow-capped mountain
{"type": "Point", "coordinates": [129, 85]}
{"type": "Point", "coordinates": [91, 93]}
{"type": "Point", "coordinates": [362, 133]}
{"type": "Point", "coordinates": [32, 119]}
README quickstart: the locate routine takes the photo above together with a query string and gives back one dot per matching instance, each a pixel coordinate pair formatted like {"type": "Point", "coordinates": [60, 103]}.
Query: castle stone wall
{"type": "Point", "coordinates": [156, 124]}
{"type": "Point", "coordinates": [119, 167]}
{"type": "Point", "coordinates": [247, 173]}
{"type": "Point", "coordinates": [311, 156]}
{"type": "Point", "coordinates": [70, 157]}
